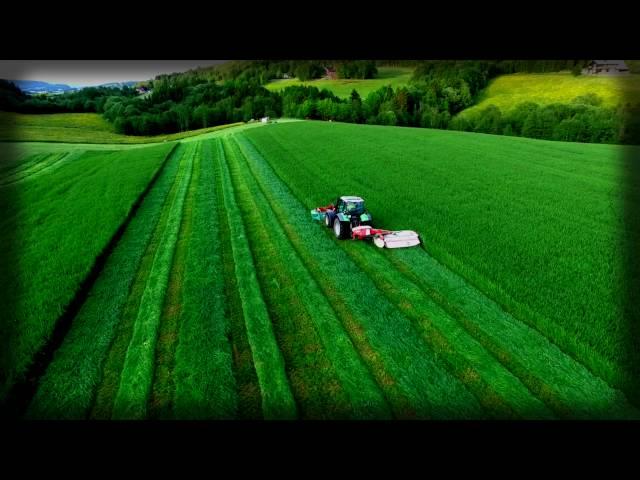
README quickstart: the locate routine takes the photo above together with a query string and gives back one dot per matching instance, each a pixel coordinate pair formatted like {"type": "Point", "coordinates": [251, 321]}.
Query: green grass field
{"type": "Point", "coordinates": [394, 76]}
{"type": "Point", "coordinates": [78, 128]}
{"type": "Point", "coordinates": [223, 299]}
{"type": "Point", "coordinates": [507, 91]}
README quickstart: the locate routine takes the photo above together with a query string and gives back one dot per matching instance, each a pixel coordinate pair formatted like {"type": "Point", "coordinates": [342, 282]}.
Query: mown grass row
{"type": "Point", "coordinates": [107, 389]}
{"type": "Point", "coordinates": [205, 387]}
{"type": "Point", "coordinates": [427, 387]}
{"type": "Point", "coordinates": [564, 384]}
{"type": "Point", "coordinates": [68, 387]}
{"type": "Point", "coordinates": [244, 372]}
{"type": "Point", "coordinates": [328, 378]}
{"type": "Point", "coordinates": [63, 220]}
{"type": "Point", "coordinates": [163, 386]}
{"type": "Point", "coordinates": [137, 371]}
{"type": "Point", "coordinates": [277, 399]}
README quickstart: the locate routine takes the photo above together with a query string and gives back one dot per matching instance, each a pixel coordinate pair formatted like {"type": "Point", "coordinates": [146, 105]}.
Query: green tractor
{"type": "Point", "coordinates": [348, 212]}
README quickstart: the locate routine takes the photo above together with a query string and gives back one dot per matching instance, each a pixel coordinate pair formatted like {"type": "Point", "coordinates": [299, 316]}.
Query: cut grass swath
{"type": "Point", "coordinates": [137, 371]}
{"type": "Point", "coordinates": [277, 400]}
{"type": "Point", "coordinates": [63, 220]}
{"type": "Point", "coordinates": [328, 377]}
{"type": "Point", "coordinates": [248, 387]}
{"type": "Point", "coordinates": [163, 386]}
{"type": "Point", "coordinates": [112, 368]}
{"type": "Point", "coordinates": [421, 377]}
{"type": "Point", "coordinates": [205, 387]}
{"type": "Point", "coordinates": [67, 389]}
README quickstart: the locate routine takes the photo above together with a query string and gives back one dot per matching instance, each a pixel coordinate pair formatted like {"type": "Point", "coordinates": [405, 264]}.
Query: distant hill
{"type": "Point", "coordinates": [119, 84]}
{"type": "Point", "coordinates": [33, 86]}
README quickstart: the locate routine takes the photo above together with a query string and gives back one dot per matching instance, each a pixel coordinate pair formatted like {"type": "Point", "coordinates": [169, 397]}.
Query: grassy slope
{"type": "Point", "coordinates": [68, 387]}
{"type": "Point", "coordinates": [63, 220]}
{"type": "Point", "coordinates": [78, 128]}
{"type": "Point", "coordinates": [495, 210]}
{"type": "Point", "coordinates": [507, 91]}
{"type": "Point", "coordinates": [394, 76]}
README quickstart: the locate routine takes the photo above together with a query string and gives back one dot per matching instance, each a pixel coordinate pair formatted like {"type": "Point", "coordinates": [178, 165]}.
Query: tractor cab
{"type": "Point", "coordinates": [350, 205]}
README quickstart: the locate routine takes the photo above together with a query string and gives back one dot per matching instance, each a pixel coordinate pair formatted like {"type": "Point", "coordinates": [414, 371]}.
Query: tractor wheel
{"type": "Point", "coordinates": [341, 229]}
{"type": "Point", "coordinates": [327, 220]}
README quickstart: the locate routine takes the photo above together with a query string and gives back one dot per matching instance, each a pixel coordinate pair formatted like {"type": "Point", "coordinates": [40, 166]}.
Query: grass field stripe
{"type": "Point", "coordinates": [107, 389]}
{"type": "Point", "coordinates": [32, 164]}
{"type": "Point", "coordinates": [244, 372]}
{"type": "Point", "coordinates": [67, 389]}
{"type": "Point", "coordinates": [497, 389]}
{"type": "Point", "coordinates": [205, 387]}
{"type": "Point", "coordinates": [163, 387]}
{"type": "Point", "coordinates": [277, 400]}
{"type": "Point", "coordinates": [365, 397]}
{"type": "Point", "coordinates": [313, 381]}
{"type": "Point", "coordinates": [432, 390]}
{"type": "Point", "coordinates": [137, 373]}
{"type": "Point", "coordinates": [47, 165]}
{"type": "Point", "coordinates": [540, 365]}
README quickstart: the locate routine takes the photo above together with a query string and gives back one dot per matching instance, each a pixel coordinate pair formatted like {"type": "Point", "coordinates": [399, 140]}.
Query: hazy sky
{"type": "Point", "coordinates": [94, 72]}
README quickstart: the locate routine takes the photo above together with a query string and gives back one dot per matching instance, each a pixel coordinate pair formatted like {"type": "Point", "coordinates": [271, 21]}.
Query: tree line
{"type": "Point", "coordinates": [438, 92]}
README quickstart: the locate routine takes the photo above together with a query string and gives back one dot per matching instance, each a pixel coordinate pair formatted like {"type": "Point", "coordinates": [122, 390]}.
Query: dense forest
{"type": "Point", "coordinates": [439, 90]}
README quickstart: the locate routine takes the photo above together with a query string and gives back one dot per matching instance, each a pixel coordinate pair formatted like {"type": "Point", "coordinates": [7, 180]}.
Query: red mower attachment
{"type": "Point", "coordinates": [386, 238]}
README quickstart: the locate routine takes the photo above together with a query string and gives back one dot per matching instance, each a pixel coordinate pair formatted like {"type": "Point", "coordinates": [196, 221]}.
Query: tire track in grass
{"type": "Point", "coordinates": [499, 391]}
{"type": "Point", "coordinates": [137, 371]}
{"type": "Point", "coordinates": [163, 387]}
{"type": "Point", "coordinates": [244, 372]}
{"type": "Point", "coordinates": [35, 161]}
{"type": "Point", "coordinates": [421, 377]}
{"type": "Point", "coordinates": [205, 387]}
{"type": "Point", "coordinates": [51, 163]}
{"type": "Point", "coordinates": [563, 383]}
{"type": "Point", "coordinates": [105, 393]}
{"type": "Point", "coordinates": [328, 377]}
{"type": "Point", "coordinates": [67, 388]}
{"type": "Point", "coordinates": [277, 399]}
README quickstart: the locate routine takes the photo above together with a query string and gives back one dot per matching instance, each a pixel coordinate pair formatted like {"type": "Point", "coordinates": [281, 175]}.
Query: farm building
{"type": "Point", "coordinates": [607, 67]}
{"type": "Point", "coordinates": [330, 73]}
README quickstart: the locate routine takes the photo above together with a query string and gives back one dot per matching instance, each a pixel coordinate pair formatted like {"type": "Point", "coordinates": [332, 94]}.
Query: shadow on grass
{"type": "Point", "coordinates": [631, 162]}
{"type": "Point", "coordinates": [9, 287]}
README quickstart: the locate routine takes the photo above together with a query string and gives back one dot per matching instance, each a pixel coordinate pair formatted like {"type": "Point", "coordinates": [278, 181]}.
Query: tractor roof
{"type": "Point", "coordinates": [347, 198]}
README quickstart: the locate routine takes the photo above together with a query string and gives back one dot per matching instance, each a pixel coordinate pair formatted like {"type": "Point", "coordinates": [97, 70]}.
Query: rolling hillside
{"type": "Point", "coordinates": [394, 76]}
{"type": "Point", "coordinates": [507, 91]}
